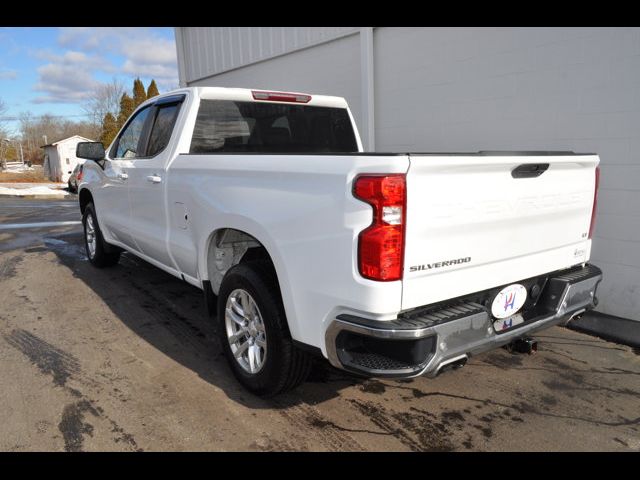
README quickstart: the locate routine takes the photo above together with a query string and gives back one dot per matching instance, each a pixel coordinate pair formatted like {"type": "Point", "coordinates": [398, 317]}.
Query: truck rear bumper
{"type": "Point", "coordinates": [449, 334]}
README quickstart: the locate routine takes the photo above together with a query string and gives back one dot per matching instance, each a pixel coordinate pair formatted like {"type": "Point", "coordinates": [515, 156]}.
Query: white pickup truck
{"type": "Point", "coordinates": [388, 265]}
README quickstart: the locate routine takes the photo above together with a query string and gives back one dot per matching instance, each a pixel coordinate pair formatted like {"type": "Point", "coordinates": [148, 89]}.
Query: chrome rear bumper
{"type": "Point", "coordinates": [424, 344]}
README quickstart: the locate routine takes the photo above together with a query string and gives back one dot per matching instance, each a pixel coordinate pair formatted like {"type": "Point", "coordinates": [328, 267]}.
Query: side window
{"type": "Point", "coordinates": [130, 140]}
{"type": "Point", "coordinates": [162, 128]}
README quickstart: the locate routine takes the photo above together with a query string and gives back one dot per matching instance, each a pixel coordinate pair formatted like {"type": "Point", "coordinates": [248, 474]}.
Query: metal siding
{"type": "Point", "coordinates": [219, 60]}
{"type": "Point", "coordinates": [208, 57]}
{"type": "Point", "coordinates": [228, 48]}
{"type": "Point", "coordinates": [209, 51]}
{"type": "Point", "coordinates": [181, 56]}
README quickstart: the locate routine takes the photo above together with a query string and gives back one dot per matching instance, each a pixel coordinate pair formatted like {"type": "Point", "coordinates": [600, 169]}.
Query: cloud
{"type": "Point", "coordinates": [75, 58]}
{"type": "Point", "coordinates": [145, 53]}
{"type": "Point", "coordinates": [69, 77]}
{"type": "Point", "coordinates": [155, 70]}
{"type": "Point", "coordinates": [8, 74]}
{"type": "Point", "coordinates": [63, 83]}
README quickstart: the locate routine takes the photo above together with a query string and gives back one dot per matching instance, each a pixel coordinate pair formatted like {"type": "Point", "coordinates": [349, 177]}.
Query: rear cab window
{"type": "Point", "coordinates": [228, 126]}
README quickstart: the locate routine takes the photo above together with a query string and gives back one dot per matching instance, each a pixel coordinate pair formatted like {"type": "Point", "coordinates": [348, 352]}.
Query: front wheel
{"type": "Point", "coordinates": [253, 330]}
{"type": "Point", "coordinates": [99, 252]}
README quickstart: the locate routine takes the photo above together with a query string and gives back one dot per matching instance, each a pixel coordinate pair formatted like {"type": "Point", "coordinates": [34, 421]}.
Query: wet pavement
{"type": "Point", "coordinates": [126, 359]}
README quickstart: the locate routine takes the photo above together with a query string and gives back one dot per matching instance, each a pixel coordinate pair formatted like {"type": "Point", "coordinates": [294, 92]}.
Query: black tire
{"type": "Point", "coordinates": [105, 255]}
{"type": "Point", "coordinates": [285, 366]}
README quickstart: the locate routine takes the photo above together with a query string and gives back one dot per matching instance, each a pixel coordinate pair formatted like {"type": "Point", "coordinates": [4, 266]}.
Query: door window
{"type": "Point", "coordinates": [131, 141]}
{"type": "Point", "coordinates": [162, 128]}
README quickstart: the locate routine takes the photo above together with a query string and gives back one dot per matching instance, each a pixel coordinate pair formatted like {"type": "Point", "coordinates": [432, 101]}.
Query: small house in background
{"type": "Point", "coordinates": [60, 158]}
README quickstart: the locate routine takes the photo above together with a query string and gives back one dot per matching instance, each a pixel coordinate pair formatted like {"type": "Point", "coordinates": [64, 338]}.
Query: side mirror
{"type": "Point", "coordinates": [90, 150]}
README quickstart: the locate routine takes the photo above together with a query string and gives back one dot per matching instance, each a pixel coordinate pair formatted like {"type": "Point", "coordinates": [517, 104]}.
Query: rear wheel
{"type": "Point", "coordinates": [253, 330]}
{"type": "Point", "coordinates": [99, 252]}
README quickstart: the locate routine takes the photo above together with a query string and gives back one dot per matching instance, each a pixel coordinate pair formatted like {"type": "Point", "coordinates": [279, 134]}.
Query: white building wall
{"type": "Point", "coordinates": [457, 89]}
{"type": "Point", "coordinates": [53, 171]}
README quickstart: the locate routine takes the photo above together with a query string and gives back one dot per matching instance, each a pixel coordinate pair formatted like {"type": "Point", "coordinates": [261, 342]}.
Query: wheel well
{"type": "Point", "coordinates": [229, 247]}
{"type": "Point", "coordinates": [85, 198]}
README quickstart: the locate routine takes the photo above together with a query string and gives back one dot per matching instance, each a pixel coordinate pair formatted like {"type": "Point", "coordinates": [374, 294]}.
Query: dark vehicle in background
{"type": "Point", "coordinates": [75, 177]}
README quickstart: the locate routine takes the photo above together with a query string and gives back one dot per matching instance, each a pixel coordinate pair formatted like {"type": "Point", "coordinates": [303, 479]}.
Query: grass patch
{"type": "Point", "coordinates": [31, 176]}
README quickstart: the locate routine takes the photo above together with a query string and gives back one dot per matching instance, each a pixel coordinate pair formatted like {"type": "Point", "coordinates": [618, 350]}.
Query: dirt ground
{"type": "Point", "coordinates": [126, 359]}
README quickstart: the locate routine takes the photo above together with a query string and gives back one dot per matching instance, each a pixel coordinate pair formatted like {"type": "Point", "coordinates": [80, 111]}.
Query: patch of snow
{"type": "Point", "coordinates": [39, 190]}
{"type": "Point", "coordinates": [18, 168]}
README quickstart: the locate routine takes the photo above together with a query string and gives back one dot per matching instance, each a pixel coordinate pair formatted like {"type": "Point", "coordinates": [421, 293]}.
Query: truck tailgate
{"type": "Point", "coordinates": [475, 222]}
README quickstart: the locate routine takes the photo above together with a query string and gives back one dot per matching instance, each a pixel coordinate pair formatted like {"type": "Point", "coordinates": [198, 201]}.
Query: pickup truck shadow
{"type": "Point", "coordinates": [170, 315]}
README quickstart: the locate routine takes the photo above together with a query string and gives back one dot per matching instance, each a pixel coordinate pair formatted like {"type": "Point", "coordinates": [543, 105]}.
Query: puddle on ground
{"type": "Point", "coordinates": [66, 249]}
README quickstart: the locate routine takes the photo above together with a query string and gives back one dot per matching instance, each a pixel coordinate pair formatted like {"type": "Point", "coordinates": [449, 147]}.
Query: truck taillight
{"type": "Point", "coordinates": [79, 175]}
{"type": "Point", "coordinates": [281, 96]}
{"type": "Point", "coordinates": [595, 203]}
{"type": "Point", "coordinates": [381, 245]}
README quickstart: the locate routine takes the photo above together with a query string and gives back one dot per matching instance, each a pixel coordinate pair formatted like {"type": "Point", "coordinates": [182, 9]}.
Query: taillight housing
{"type": "Point", "coordinates": [595, 203]}
{"type": "Point", "coordinates": [79, 175]}
{"type": "Point", "coordinates": [381, 245]}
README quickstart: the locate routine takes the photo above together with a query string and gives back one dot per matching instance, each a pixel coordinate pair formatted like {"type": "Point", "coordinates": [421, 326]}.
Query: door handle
{"type": "Point", "coordinates": [123, 176]}
{"type": "Point", "coordinates": [154, 178]}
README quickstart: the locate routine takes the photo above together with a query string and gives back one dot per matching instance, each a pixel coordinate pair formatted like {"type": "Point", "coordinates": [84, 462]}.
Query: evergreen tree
{"type": "Point", "coordinates": [126, 109]}
{"type": "Point", "coordinates": [139, 95]}
{"type": "Point", "coordinates": [152, 90]}
{"type": "Point", "coordinates": [109, 129]}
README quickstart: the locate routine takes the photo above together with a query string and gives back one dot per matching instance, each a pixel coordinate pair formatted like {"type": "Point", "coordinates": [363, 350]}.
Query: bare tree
{"type": "Point", "coordinates": [3, 112]}
{"type": "Point", "coordinates": [3, 134]}
{"type": "Point", "coordinates": [105, 98]}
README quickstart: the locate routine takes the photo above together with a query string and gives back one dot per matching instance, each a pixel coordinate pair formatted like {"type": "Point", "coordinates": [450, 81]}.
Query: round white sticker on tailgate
{"type": "Point", "coordinates": [509, 301]}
